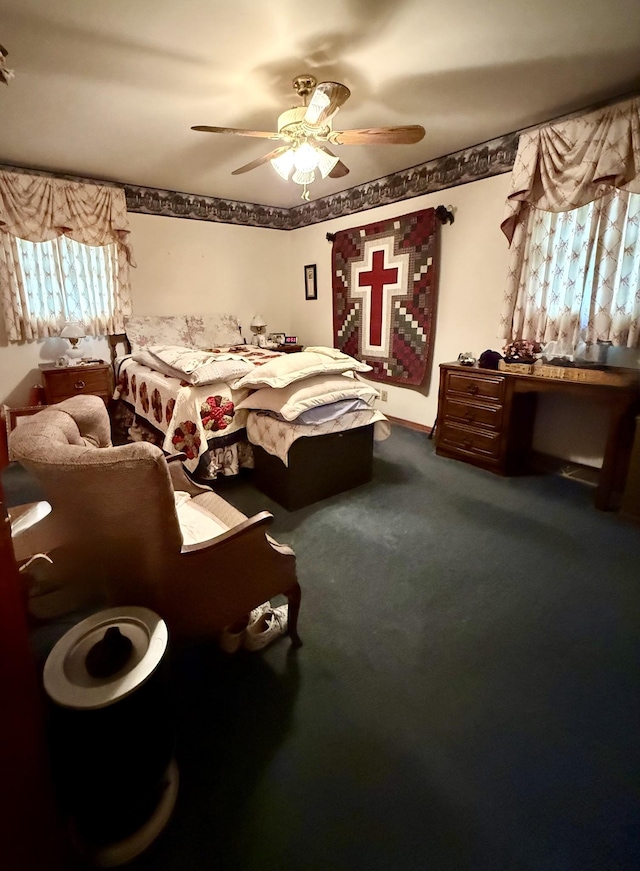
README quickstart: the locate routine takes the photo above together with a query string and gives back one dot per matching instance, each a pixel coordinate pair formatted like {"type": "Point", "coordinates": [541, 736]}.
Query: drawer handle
{"type": "Point", "coordinates": [472, 388]}
{"type": "Point", "coordinates": [470, 415]}
{"type": "Point", "coordinates": [467, 443]}
{"type": "Point", "coordinates": [80, 385]}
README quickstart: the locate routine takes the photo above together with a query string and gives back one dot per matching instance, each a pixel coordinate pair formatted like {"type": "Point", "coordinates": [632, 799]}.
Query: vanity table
{"type": "Point", "coordinates": [486, 418]}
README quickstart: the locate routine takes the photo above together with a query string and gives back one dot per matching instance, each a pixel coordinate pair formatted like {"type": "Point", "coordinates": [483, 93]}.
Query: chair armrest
{"type": "Point", "coordinates": [281, 548]}
{"type": "Point", "coordinates": [264, 518]}
{"type": "Point", "coordinates": [211, 585]}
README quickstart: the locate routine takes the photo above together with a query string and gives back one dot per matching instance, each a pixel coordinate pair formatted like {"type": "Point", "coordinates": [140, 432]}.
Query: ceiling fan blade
{"type": "Point", "coordinates": [236, 131]}
{"type": "Point", "coordinates": [340, 168]}
{"type": "Point", "coordinates": [260, 160]}
{"type": "Point", "coordinates": [325, 102]}
{"type": "Point", "coordinates": [379, 135]}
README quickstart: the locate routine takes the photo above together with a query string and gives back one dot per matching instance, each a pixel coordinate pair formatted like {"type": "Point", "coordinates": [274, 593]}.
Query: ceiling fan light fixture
{"type": "Point", "coordinates": [306, 158]}
{"type": "Point", "coordinates": [301, 177]}
{"type": "Point", "coordinates": [283, 164]}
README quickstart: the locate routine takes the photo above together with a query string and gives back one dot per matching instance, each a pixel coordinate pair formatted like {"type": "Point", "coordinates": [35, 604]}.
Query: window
{"type": "Point", "coordinates": [64, 280]}
{"type": "Point", "coordinates": [75, 264]}
{"type": "Point", "coordinates": [580, 274]}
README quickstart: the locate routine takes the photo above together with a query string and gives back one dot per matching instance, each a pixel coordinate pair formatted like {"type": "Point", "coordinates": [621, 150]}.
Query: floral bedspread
{"type": "Point", "coordinates": [188, 416]}
{"type": "Point", "coordinates": [276, 436]}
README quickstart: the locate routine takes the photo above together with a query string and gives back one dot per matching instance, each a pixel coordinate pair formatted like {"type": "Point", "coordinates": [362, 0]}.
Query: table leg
{"type": "Point", "coordinates": [616, 458]}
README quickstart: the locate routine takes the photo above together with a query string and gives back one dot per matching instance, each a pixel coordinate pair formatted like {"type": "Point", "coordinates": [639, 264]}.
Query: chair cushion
{"type": "Point", "coordinates": [196, 523]}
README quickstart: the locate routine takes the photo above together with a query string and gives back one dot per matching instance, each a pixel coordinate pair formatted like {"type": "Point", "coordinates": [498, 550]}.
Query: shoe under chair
{"type": "Point", "coordinates": [258, 629]}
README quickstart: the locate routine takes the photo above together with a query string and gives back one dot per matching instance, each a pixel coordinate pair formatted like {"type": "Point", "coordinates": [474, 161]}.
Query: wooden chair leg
{"type": "Point", "coordinates": [294, 595]}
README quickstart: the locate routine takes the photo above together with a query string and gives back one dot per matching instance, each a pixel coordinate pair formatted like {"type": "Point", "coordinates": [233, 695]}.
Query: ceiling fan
{"type": "Point", "coordinates": [307, 130]}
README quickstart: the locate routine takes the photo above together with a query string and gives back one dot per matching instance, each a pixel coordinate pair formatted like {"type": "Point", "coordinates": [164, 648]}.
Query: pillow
{"type": "Point", "coordinates": [156, 330]}
{"type": "Point", "coordinates": [294, 367]}
{"type": "Point", "coordinates": [334, 353]}
{"type": "Point", "coordinates": [293, 400]}
{"type": "Point", "coordinates": [146, 358]}
{"type": "Point", "coordinates": [213, 331]}
{"type": "Point", "coordinates": [194, 367]}
{"type": "Point", "coordinates": [325, 413]}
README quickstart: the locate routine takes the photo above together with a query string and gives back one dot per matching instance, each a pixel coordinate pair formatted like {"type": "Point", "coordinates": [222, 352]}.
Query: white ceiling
{"type": "Point", "coordinates": [111, 89]}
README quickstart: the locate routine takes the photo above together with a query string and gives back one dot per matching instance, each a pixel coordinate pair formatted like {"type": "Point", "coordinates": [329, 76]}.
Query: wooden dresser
{"type": "Point", "coordinates": [481, 421]}
{"type": "Point", "coordinates": [486, 417]}
{"type": "Point", "coordinates": [63, 382]}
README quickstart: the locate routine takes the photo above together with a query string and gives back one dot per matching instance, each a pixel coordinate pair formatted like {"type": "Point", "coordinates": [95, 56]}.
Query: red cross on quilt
{"type": "Point", "coordinates": [384, 295]}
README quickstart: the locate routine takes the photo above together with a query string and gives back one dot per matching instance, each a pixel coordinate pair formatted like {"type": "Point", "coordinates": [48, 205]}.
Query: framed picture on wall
{"type": "Point", "coordinates": [310, 282]}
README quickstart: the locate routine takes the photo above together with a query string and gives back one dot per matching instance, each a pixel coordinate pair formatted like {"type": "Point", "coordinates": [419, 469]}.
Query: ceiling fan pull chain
{"type": "Point", "coordinates": [305, 193]}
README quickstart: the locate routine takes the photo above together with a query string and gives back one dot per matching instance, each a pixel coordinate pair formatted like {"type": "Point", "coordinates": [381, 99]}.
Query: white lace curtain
{"type": "Point", "coordinates": [572, 221]}
{"type": "Point", "coordinates": [90, 284]}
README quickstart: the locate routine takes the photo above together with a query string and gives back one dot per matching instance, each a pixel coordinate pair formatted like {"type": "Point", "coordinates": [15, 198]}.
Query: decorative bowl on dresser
{"type": "Point", "coordinates": [63, 382]}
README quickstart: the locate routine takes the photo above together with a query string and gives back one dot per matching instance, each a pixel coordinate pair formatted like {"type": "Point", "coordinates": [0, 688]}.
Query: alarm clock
{"type": "Point", "coordinates": [290, 340]}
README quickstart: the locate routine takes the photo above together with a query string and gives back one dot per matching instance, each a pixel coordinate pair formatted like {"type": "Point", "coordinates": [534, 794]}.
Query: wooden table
{"type": "Point", "coordinates": [486, 417]}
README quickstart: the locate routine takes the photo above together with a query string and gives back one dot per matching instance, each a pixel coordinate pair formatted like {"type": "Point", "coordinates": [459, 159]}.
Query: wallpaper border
{"type": "Point", "coordinates": [470, 164]}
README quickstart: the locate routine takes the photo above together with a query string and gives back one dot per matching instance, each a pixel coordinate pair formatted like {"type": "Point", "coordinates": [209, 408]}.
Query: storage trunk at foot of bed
{"type": "Point", "coordinates": [319, 467]}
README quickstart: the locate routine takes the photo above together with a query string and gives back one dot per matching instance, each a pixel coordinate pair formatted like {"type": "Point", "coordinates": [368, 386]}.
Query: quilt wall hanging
{"type": "Point", "coordinates": [385, 294]}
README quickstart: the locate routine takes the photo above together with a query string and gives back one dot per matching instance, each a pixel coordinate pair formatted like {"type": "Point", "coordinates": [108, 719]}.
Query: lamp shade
{"type": "Point", "coordinates": [72, 330]}
{"type": "Point", "coordinates": [258, 321]}
{"type": "Point", "coordinates": [284, 163]}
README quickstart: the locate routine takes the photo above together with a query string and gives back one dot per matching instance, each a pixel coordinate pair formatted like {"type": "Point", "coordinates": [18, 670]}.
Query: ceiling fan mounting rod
{"type": "Point", "coordinates": [303, 86]}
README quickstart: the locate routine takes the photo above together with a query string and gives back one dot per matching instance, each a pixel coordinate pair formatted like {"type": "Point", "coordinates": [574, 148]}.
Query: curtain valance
{"type": "Point", "coordinates": [39, 209]}
{"type": "Point", "coordinates": [563, 166]}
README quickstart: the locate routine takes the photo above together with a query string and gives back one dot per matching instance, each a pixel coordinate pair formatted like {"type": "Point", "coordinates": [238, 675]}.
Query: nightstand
{"type": "Point", "coordinates": [289, 349]}
{"type": "Point", "coordinates": [62, 382]}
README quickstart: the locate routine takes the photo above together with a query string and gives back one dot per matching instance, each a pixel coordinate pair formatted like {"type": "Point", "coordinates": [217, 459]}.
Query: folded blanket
{"type": "Point", "coordinates": [193, 366]}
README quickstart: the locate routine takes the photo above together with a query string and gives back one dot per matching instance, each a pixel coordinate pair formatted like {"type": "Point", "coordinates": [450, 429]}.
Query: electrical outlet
{"type": "Point", "coordinates": [383, 396]}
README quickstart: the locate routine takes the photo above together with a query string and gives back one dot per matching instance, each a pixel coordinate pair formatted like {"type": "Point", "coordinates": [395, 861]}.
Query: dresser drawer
{"type": "Point", "coordinates": [488, 416]}
{"type": "Point", "coordinates": [460, 384]}
{"type": "Point", "coordinates": [473, 441]}
{"type": "Point", "coordinates": [76, 381]}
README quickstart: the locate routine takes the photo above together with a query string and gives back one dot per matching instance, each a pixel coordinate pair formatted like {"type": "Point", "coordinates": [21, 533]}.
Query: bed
{"type": "Point", "coordinates": [305, 422]}
{"type": "Point", "coordinates": [154, 397]}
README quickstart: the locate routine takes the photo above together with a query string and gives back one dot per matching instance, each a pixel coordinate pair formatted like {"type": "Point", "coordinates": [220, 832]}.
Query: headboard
{"type": "Point", "coordinates": [191, 331]}
{"type": "Point", "coordinates": [116, 340]}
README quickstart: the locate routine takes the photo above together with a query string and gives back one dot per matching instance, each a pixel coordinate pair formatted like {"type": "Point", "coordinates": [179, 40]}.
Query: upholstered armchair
{"type": "Point", "coordinates": [126, 518]}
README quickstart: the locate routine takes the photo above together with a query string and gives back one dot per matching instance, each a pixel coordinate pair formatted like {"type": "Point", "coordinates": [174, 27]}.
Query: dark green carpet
{"type": "Point", "coordinates": [466, 697]}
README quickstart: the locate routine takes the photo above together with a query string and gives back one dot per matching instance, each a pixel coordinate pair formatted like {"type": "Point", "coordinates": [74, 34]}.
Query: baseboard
{"type": "Point", "coordinates": [419, 427]}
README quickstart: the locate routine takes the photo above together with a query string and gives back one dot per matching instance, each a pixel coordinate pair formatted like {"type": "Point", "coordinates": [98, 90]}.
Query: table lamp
{"type": "Point", "coordinates": [258, 327]}
{"type": "Point", "coordinates": [73, 331]}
